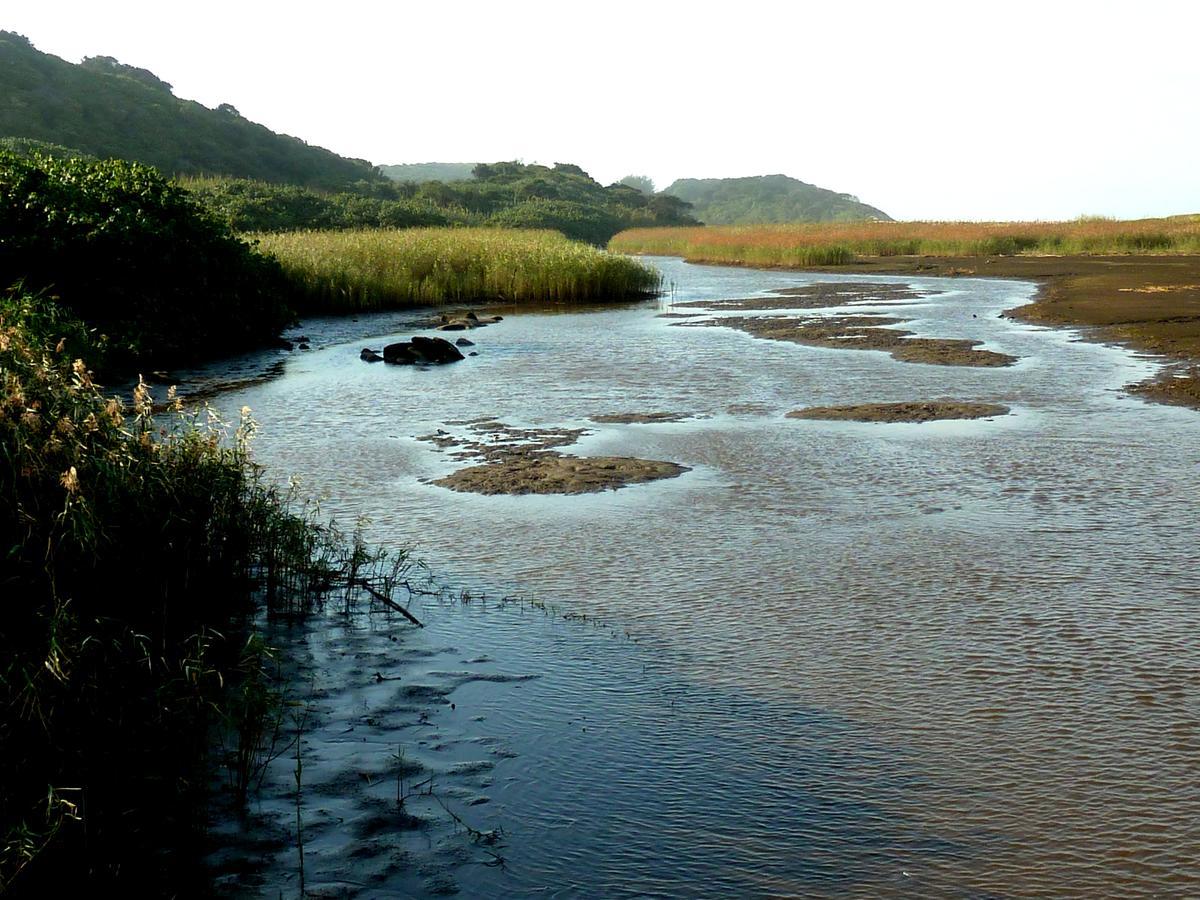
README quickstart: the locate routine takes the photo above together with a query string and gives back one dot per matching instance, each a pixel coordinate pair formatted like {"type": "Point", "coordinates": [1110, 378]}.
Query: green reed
{"type": "Point", "coordinates": [348, 271]}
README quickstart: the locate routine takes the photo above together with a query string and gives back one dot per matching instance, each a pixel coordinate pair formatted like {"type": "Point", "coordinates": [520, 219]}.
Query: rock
{"type": "Point", "coordinates": [282, 344]}
{"type": "Point", "coordinates": [463, 342]}
{"type": "Point", "coordinates": [369, 355]}
{"type": "Point", "coordinates": [454, 326]}
{"type": "Point", "coordinates": [304, 347]}
{"type": "Point", "coordinates": [422, 350]}
{"type": "Point", "coordinates": [472, 353]}
{"type": "Point", "coordinates": [436, 350]}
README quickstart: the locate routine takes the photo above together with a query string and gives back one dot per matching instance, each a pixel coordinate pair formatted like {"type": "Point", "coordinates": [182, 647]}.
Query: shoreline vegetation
{"type": "Point", "coordinates": [370, 269]}
{"type": "Point", "coordinates": [137, 552]}
{"type": "Point", "coordinates": [1136, 283]}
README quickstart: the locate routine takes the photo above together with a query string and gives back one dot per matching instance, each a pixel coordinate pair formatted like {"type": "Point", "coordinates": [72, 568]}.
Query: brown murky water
{"type": "Point", "coordinates": [946, 659]}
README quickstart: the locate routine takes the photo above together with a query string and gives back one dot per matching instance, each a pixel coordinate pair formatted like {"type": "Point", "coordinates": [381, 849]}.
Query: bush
{"type": "Point", "coordinates": [135, 258]}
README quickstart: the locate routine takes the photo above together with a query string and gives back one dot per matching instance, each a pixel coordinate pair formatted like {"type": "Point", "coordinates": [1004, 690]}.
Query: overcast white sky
{"type": "Point", "coordinates": [927, 110]}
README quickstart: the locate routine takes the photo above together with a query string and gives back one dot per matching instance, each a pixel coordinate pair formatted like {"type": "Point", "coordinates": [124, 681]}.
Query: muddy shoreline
{"type": "Point", "coordinates": [1146, 303]}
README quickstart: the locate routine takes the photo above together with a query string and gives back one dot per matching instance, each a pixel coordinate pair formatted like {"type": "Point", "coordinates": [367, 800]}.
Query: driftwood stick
{"type": "Point", "coordinates": [388, 601]}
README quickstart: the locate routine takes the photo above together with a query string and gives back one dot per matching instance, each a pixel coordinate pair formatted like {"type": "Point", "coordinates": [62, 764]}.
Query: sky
{"type": "Point", "coordinates": [927, 110]}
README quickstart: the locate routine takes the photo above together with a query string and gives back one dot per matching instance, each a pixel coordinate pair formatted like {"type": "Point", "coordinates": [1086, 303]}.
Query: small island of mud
{"type": "Point", "coordinates": [844, 332]}
{"type": "Point", "coordinates": [552, 473]}
{"type": "Point", "coordinates": [821, 295]}
{"type": "Point", "coordinates": [525, 461]}
{"type": "Point", "coordinates": [640, 418]}
{"type": "Point", "coordinates": [911, 411]}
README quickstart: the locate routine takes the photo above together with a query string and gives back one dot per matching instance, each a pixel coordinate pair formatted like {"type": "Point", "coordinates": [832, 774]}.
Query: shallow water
{"type": "Point", "coordinates": [944, 659]}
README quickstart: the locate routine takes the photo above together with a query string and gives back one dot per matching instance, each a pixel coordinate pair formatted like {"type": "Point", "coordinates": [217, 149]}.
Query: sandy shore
{"type": "Point", "coordinates": [1147, 303]}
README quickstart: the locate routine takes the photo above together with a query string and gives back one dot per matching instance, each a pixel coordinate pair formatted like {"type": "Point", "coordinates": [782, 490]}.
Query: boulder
{"type": "Point", "coordinates": [463, 342]}
{"type": "Point", "coordinates": [421, 351]}
{"type": "Point", "coordinates": [436, 350]}
{"type": "Point", "coordinates": [369, 355]}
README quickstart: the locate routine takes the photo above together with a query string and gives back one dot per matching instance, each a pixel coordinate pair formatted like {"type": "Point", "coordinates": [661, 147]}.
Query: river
{"type": "Point", "coordinates": [833, 658]}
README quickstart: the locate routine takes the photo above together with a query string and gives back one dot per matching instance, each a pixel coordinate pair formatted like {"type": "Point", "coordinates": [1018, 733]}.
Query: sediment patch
{"type": "Point", "coordinates": [816, 296]}
{"type": "Point", "coordinates": [910, 411]}
{"type": "Point", "coordinates": [526, 461]}
{"type": "Point", "coordinates": [556, 474]}
{"type": "Point", "coordinates": [862, 333]}
{"type": "Point", "coordinates": [635, 418]}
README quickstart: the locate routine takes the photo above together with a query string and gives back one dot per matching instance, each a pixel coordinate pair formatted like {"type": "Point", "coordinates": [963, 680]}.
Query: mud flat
{"type": "Point", "coordinates": [526, 461]}
{"type": "Point", "coordinates": [640, 418]}
{"type": "Point", "coordinates": [911, 411]}
{"type": "Point", "coordinates": [1148, 303]}
{"type": "Point", "coordinates": [821, 295]}
{"type": "Point", "coordinates": [556, 474]}
{"type": "Point", "coordinates": [862, 333]}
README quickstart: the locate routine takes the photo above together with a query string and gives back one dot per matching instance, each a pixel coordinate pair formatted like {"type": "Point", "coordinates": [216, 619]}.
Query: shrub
{"type": "Point", "coordinates": [135, 258]}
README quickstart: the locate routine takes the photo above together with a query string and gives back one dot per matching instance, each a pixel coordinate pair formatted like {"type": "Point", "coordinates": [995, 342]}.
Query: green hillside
{"type": "Point", "coordinates": [765, 199]}
{"type": "Point", "coordinates": [504, 194]}
{"type": "Point", "coordinates": [107, 109]}
{"type": "Point", "coordinates": [432, 171]}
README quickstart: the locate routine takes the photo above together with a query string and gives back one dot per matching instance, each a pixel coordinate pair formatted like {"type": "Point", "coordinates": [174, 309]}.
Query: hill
{"type": "Point", "coordinates": [432, 171]}
{"type": "Point", "coordinates": [763, 199]}
{"type": "Point", "coordinates": [106, 109]}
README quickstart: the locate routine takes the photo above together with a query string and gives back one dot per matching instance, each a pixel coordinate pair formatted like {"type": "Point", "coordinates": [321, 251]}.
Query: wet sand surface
{"type": "Point", "coordinates": [1148, 303]}
{"type": "Point", "coordinates": [524, 461]}
{"type": "Point", "coordinates": [946, 659]}
{"type": "Point", "coordinates": [862, 333]}
{"type": "Point", "coordinates": [911, 411]}
{"type": "Point", "coordinates": [845, 332]}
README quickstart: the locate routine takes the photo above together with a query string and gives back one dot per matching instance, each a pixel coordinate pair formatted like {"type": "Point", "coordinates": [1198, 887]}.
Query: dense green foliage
{"type": "Point", "coordinates": [768, 199]}
{"type": "Point", "coordinates": [106, 109]}
{"type": "Point", "coordinates": [245, 205]}
{"type": "Point", "coordinates": [506, 194]}
{"type": "Point", "coordinates": [433, 171]}
{"type": "Point", "coordinates": [134, 257]}
{"type": "Point", "coordinates": [355, 270]}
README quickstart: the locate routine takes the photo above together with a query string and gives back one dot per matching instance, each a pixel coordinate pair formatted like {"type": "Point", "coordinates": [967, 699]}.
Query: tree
{"type": "Point", "coordinates": [639, 183]}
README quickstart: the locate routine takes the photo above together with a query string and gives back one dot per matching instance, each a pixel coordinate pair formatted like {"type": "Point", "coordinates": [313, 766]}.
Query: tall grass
{"type": "Point", "coordinates": [378, 269]}
{"type": "Point", "coordinates": [133, 551]}
{"type": "Point", "coordinates": [837, 243]}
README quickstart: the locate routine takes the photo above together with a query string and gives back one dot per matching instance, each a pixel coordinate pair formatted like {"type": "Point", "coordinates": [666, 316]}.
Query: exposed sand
{"type": "Point", "coordinates": [862, 333]}
{"type": "Point", "coordinates": [1149, 303]}
{"type": "Point", "coordinates": [526, 461]}
{"type": "Point", "coordinates": [635, 418]}
{"type": "Point", "coordinates": [816, 296]}
{"type": "Point", "coordinates": [912, 411]}
{"type": "Point", "coordinates": [555, 474]}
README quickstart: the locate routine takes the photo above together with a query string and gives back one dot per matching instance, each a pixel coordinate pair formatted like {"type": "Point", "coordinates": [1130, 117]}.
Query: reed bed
{"type": "Point", "coordinates": [137, 546]}
{"type": "Point", "coordinates": [839, 243]}
{"type": "Point", "coordinates": [348, 271]}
